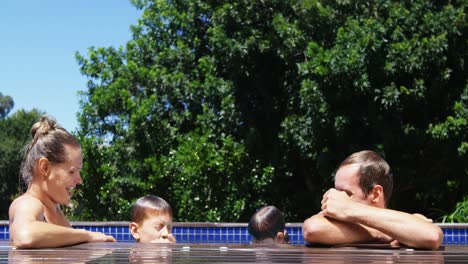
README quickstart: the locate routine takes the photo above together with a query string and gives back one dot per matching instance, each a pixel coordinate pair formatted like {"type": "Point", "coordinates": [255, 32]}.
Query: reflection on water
{"type": "Point", "coordinates": [218, 253]}
{"type": "Point", "coordinates": [57, 255]}
{"type": "Point", "coordinates": [371, 256]}
{"type": "Point", "coordinates": [150, 254]}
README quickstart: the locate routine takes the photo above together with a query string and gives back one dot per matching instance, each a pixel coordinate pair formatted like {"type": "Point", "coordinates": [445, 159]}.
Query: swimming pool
{"type": "Point", "coordinates": [125, 252]}
{"type": "Point", "coordinates": [230, 233]}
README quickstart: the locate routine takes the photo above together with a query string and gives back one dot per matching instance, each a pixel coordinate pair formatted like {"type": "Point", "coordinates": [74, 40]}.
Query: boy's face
{"type": "Point", "coordinates": [154, 229]}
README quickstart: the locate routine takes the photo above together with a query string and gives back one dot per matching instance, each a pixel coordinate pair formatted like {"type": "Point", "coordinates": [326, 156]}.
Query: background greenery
{"type": "Point", "coordinates": [14, 135]}
{"type": "Point", "coordinates": [223, 106]}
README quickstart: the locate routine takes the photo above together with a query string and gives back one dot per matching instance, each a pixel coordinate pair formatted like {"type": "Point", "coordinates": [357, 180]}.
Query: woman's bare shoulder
{"type": "Point", "coordinates": [26, 204]}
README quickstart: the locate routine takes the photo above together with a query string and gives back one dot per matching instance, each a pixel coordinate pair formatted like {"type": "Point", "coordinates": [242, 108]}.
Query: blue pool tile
{"type": "Point", "coordinates": [448, 239]}
{"type": "Point", "coordinates": [210, 237]}
{"type": "Point", "coordinates": [230, 234]}
{"type": "Point", "coordinates": [463, 240]}
{"type": "Point", "coordinates": [449, 231]}
{"type": "Point", "coordinates": [466, 236]}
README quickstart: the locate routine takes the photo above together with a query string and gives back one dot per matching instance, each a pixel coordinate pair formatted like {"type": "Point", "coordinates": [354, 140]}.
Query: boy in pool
{"type": "Point", "coordinates": [152, 220]}
{"type": "Point", "coordinates": [267, 226]}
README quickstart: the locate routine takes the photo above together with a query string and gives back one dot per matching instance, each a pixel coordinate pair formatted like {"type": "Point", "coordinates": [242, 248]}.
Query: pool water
{"type": "Point", "coordinates": [125, 252]}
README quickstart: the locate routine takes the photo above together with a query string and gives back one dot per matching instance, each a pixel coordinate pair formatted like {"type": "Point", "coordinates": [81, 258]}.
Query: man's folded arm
{"type": "Point", "coordinates": [323, 230]}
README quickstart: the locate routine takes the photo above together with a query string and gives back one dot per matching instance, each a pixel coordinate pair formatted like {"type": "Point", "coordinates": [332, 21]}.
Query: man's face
{"type": "Point", "coordinates": [347, 180]}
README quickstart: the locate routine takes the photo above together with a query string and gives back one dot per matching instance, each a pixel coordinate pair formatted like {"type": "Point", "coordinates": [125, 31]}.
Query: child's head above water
{"type": "Point", "coordinates": [152, 220]}
{"type": "Point", "coordinates": [267, 225]}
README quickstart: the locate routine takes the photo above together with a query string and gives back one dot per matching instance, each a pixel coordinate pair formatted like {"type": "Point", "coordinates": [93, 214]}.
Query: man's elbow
{"type": "Point", "coordinates": [434, 239]}
{"type": "Point", "coordinates": [23, 239]}
{"type": "Point", "coordinates": [311, 230]}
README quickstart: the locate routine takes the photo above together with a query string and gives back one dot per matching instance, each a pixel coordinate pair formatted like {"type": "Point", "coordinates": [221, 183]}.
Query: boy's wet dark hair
{"type": "Point", "coordinates": [266, 223]}
{"type": "Point", "coordinates": [149, 205]}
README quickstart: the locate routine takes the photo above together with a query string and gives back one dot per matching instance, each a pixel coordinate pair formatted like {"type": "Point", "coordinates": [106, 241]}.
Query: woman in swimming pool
{"type": "Point", "coordinates": [51, 169]}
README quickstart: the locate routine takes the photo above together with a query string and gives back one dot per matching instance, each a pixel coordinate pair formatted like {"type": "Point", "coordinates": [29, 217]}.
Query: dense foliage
{"type": "Point", "coordinates": [14, 134]}
{"type": "Point", "coordinates": [222, 106]}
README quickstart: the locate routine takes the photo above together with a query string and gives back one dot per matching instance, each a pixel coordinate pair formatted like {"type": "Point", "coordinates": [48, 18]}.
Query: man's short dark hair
{"type": "Point", "coordinates": [373, 170]}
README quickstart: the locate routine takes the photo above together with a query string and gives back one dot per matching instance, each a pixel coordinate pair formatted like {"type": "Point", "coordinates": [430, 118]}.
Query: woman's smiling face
{"type": "Point", "coordinates": [64, 177]}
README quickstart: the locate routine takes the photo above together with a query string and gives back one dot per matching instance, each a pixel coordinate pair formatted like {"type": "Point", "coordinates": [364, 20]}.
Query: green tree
{"type": "Point", "coordinates": [14, 135]}
{"type": "Point", "coordinates": [387, 82]}
{"type": "Point", "coordinates": [6, 104]}
{"type": "Point", "coordinates": [220, 107]}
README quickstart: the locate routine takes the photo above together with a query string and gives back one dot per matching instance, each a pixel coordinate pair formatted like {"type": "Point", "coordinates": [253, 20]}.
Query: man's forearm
{"type": "Point", "coordinates": [324, 230]}
{"type": "Point", "coordinates": [405, 228]}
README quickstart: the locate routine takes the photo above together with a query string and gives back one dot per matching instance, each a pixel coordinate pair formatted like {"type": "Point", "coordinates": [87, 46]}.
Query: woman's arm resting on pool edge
{"type": "Point", "coordinates": [27, 230]}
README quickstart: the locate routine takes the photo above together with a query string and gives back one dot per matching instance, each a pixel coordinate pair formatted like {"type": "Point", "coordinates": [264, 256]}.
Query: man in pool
{"type": "Point", "coordinates": [152, 220]}
{"type": "Point", "coordinates": [355, 211]}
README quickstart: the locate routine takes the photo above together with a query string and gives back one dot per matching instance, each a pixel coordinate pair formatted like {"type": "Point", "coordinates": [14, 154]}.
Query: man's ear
{"type": "Point", "coordinates": [377, 195]}
{"type": "Point", "coordinates": [134, 230]}
{"type": "Point", "coordinates": [43, 166]}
